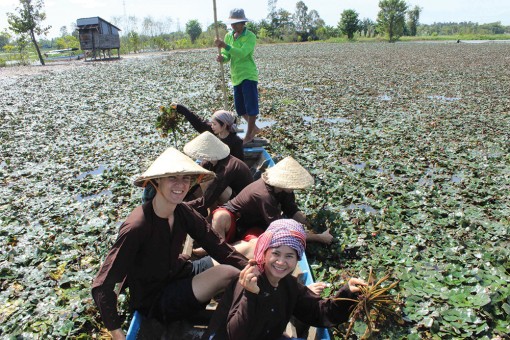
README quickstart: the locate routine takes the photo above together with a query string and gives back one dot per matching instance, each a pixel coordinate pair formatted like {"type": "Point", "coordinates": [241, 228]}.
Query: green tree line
{"type": "Point", "coordinates": [395, 19]}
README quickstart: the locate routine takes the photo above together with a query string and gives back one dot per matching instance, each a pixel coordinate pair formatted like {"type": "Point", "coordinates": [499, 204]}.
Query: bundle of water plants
{"type": "Point", "coordinates": [375, 306]}
{"type": "Point", "coordinates": [168, 121]}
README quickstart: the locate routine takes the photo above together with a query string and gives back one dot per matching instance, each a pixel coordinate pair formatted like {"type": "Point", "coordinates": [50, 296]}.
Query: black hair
{"type": "Point", "coordinates": [219, 122]}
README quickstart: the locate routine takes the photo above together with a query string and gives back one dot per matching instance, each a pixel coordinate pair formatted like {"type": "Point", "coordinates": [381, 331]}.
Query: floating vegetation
{"type": "Point", "coordinates": [417, 184]}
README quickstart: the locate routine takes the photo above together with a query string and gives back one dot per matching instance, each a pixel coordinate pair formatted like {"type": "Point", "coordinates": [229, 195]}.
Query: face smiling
{"type": "Point", "coordinates": [279, 262]}
{"type": "Point", "coordinates": [174, 188]}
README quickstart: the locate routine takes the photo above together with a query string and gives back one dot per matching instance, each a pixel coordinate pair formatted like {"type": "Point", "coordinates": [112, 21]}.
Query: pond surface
{"type": "Point", "coordinates": [98, 171]}
{"type": "Point", "coordinates": [260, 123]}
{"type": "Point", "coordinates": [409, 116]}
{"type": "Point", "coordinates": [81, 198]}
{"type": "Point", "coordinates": [310, 119]}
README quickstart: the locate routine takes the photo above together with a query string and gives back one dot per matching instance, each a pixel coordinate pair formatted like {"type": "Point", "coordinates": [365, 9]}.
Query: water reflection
{"type": "Point", "coordinates": [456, 179]}
{"type": "Point", "coordinates": [260, 123]}
{"type": "Point", "coordinates": [309, 119]}
{"type": "Point", "coordinates": [447, 99]}
{"type": "Point", "coordinates": [365, 207]}
{"type": "Point", "coordinates": [94, 172]}
{"type": "Point", "coordinates": [427, 179]}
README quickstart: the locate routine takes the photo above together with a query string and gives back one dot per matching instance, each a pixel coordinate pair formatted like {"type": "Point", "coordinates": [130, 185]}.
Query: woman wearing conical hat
{"type": "Point", "coordinates": [147, 259]}
{"type": "Point", "coordinates": [270, 198]}
{"type": "Point", "coordinates": [232, 174]}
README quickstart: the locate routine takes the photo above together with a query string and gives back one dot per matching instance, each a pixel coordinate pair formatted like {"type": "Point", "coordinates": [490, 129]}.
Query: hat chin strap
{"type": "Point", "coordinates": [157, 189]}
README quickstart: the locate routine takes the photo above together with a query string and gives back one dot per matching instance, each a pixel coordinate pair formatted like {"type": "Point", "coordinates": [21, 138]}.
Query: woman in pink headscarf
{"type": "Point", "coordinates": [261, 302]}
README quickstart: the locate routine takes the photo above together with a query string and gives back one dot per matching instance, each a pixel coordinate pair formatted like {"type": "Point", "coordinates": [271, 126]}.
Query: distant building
{"type": "Point", "coordinates": [98, 36]}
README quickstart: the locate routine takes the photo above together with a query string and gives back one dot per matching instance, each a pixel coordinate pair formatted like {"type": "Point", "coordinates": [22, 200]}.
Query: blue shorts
{"type": "Point", "coordinates": [246, 98]}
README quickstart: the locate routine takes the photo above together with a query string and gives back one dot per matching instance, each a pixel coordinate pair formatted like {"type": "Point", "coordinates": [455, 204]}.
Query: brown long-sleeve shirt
{"type": "Point", "coordinates": [257, 205]}
{"type": "Point", "coordinates": [230, 172]}
{"type": "Point", "coordinates": [147, 255]}
{"type": "Point", "coordinates": [234, 142]}
{"type": "Point", "coordinates": [264, 316]}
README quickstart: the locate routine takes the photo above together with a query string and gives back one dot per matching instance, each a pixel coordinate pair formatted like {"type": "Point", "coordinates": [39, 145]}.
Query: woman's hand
{"type": "Point", "coordinates": [318, 287]}
{"type": "Point", "coordinates": [248, 277]}
{"type": "Point", "coordinates": [354, 283]}
{"type": "Point", "coordinates": [326, 237]}
{"type": "Point", "coordinates": [118, 334]}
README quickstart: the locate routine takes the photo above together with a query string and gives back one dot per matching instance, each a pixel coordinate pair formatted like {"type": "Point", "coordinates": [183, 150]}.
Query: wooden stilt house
{"type": "Point", "coordinates": [98, 37]}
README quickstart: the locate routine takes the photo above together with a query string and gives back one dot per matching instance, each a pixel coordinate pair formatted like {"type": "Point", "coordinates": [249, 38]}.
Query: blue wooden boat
{"type": "Point", "coordinates": [258, 159]}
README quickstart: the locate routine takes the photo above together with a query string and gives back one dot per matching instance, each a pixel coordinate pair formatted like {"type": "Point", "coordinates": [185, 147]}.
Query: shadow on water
{"type": "Point", "coordinates": [94, 172]}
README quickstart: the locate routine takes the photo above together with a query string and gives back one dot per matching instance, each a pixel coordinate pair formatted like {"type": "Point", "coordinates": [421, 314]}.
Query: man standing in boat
{"type": "Point", "coordinates": [146, 257]}
{"type": "Point", "coordinates": [238, 48]}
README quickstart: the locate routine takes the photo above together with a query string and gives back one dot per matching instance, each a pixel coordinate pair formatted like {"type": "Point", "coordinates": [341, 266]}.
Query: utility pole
{"type": "Point", "coordinates": [125, 16]}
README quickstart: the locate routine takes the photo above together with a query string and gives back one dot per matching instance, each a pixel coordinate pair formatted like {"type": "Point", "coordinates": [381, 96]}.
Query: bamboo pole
{"type": "Point", "coordinates": [223, 86]}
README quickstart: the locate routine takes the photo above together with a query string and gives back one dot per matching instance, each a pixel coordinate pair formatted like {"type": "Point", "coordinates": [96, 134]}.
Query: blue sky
{"type": "Point", "coordinates": [64, 12]}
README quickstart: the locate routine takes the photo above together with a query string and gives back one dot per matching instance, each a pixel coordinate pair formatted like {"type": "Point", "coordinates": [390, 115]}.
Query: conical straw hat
{"type": "Point", "coordinates": [288, 174]}
{"type": "Point", "coordinates": [172, 162]}
{"type": "Point", "coordinates": [207, 147]}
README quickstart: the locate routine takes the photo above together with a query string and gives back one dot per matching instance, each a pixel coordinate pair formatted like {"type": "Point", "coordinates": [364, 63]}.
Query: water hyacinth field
{"type": "Point", "coordinates": [408, 144]}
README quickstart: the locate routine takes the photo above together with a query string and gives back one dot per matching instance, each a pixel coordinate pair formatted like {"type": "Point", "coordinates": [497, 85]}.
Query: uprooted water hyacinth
{"type": "Point", "coordinates": [374, 306]}
{"type": "Point", "coordinates": [168, 121]}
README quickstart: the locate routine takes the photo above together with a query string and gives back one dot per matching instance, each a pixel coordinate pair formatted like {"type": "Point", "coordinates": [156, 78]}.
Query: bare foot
{"type": "Point", "coordinates": [250, 135]}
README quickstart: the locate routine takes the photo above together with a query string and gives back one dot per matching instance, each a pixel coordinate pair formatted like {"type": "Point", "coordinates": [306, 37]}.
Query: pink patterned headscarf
{"type": "Point", "coordinates": [284, 232]}
{"type": "Point", "coordinates": [227, 118]}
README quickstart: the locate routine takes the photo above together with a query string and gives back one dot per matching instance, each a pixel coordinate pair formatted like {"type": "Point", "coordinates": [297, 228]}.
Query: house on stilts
{"type": "Point", "coordinates": [98, 38]}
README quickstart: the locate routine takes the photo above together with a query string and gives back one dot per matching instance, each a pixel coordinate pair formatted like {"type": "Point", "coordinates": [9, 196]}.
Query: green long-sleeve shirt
{"type": "Point", "coordinates": [240, 54]}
